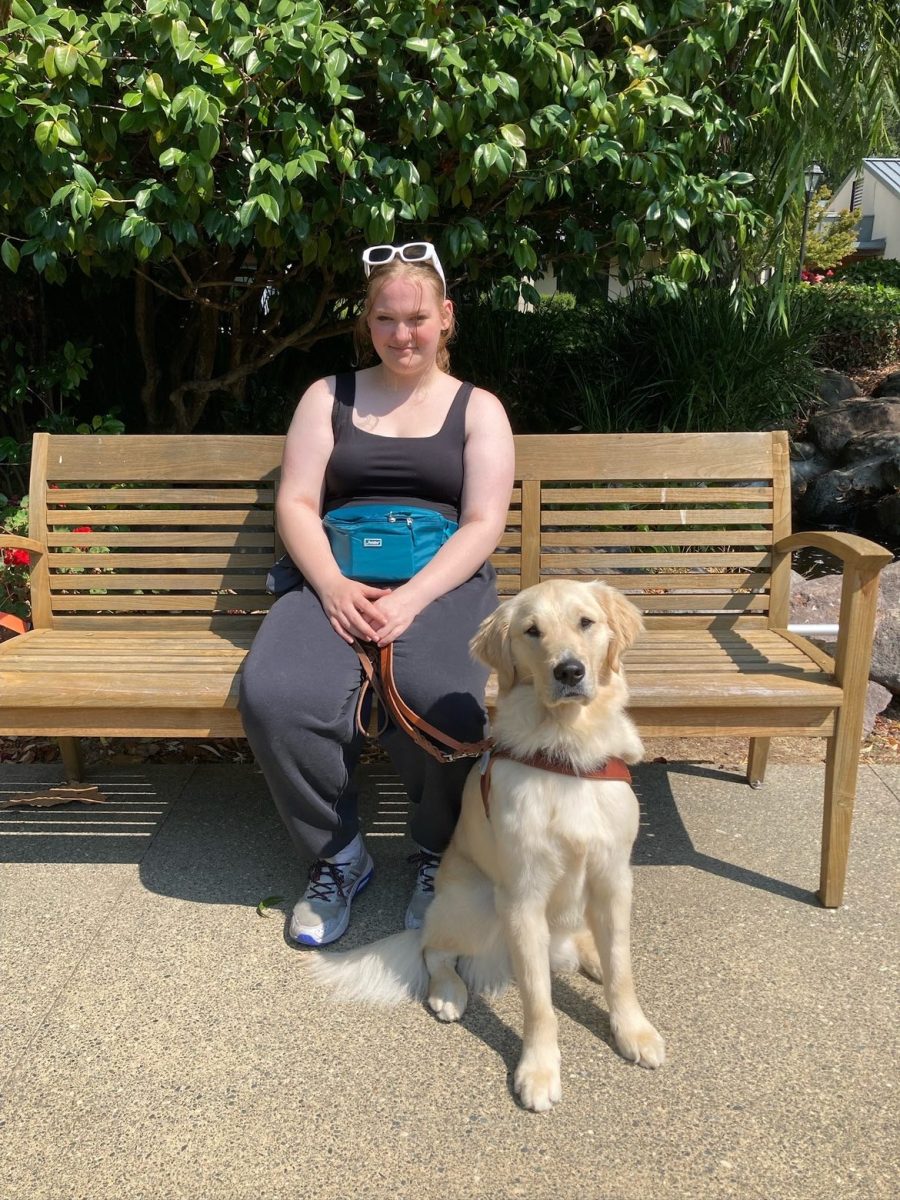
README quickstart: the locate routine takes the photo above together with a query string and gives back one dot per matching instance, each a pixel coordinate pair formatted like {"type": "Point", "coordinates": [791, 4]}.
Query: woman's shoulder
{"type": "Point", "coordinates": [486, 418]}
{"type": "Point", "coordinates": [320, 388]}
{"type": "Point", "coordinates": [315, 404]}
{"type": "Point", "coordinates": [483, 405]}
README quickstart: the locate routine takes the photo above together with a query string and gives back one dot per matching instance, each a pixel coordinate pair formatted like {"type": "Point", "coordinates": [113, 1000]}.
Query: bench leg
{"type": "Point", "coordinates": [841, 769]}
{"type": "Point", "coordinates": [756, 761]}
{"type": "Point", "coordinates": [73, 762]}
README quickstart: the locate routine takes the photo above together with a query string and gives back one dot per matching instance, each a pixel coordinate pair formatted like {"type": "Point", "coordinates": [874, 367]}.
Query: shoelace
{"type": "Point", "coordinates": [428, 864]}
{"type": "Point", "coordinates": [320, 886]}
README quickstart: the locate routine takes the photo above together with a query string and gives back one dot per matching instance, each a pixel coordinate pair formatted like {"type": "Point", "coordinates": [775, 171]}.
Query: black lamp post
{"type": "Point", "coordinates": [812, 177]}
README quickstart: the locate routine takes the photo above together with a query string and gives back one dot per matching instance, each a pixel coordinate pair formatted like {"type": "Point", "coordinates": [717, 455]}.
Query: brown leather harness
{"type": "Point", "coordinates": [378, 668]}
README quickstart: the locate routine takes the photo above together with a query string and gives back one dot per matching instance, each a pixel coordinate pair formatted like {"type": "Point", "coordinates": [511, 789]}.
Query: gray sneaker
{"type": "Point", "coordinates": [322, 914]}
{"type": "Point", "coordinates": [423, 892]}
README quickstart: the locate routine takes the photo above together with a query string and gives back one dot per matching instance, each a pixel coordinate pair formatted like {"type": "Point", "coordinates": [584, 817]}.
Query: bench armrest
{"type": "Point", "coordinates": [863, 561]}
{"type": "Point", "coordinates": [852, 550]}
{"type": "Point", "coordinates": [12, 541]}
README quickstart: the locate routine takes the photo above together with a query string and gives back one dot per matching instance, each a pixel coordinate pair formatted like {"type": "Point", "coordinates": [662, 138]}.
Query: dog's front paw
{"type": "Point", "coordinates": [639, 1042]}
{"type": "Point", "coordinates": [447, 997]}
{"type": "Point", "coordinates": [537, 1084]}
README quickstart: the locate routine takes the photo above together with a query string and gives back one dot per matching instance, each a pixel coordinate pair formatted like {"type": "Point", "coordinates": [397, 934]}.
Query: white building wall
{"type": "Point", "coordinates": [841, 198]}
{"type": "Point", "coordinates": [887, 219]}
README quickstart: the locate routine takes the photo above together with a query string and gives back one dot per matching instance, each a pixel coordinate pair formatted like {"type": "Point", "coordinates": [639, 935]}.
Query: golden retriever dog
{"type": "Point", "coordinates": [539, 878]}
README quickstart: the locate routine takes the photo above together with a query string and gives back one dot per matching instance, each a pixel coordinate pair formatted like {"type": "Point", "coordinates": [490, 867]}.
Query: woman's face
{"type": "Point", "coordinates": [405, 324]}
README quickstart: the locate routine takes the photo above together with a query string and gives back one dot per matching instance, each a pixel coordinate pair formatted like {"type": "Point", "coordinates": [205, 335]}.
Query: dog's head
{"type": "Point", "coordinates": [563, 635]}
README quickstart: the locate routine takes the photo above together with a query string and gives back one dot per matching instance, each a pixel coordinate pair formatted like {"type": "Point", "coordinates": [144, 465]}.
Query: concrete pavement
{"type": "Point", "coordinates": [158, 1039]}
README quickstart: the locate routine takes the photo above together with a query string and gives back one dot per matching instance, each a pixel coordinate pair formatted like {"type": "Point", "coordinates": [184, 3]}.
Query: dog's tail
{"type": "Point", "coordinates": [386, 972]}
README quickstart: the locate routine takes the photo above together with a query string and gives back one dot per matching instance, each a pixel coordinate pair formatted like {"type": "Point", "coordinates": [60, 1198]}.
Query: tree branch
{"type": "Point", "coordinates": [144, 327]}
{"type": "Point", "coordinates": [305, 335]}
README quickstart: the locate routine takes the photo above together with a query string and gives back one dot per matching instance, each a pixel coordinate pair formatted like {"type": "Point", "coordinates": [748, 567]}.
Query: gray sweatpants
{"type": "Point", "coordinates": [299, 689]}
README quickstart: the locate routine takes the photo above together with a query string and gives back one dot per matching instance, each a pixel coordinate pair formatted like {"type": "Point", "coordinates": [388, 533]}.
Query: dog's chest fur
{"type": "Point", "coordinates": [560, 815]}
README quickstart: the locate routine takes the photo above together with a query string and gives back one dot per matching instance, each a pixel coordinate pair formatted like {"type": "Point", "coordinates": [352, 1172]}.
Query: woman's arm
{"type": "Point", "coordinates": [488, 470]}
{"type": "Point", "coordinates": [310, 441]}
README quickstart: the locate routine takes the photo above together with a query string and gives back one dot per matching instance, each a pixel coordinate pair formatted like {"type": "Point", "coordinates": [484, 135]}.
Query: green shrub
{"type": "Point", "coordinates": [14, 564]}
{"type": "Point", "coordinates": [523, 357]}
{"type": "Point", "coordinates": [870, 270]}
{"type": "Point", "coordinates": [861, 324]}
{"type": "Point", "coordinates": [696, 362]}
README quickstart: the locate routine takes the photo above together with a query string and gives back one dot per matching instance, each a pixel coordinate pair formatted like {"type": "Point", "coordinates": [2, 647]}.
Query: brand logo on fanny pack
{"type": "Point", "coordinates": [372, 542]}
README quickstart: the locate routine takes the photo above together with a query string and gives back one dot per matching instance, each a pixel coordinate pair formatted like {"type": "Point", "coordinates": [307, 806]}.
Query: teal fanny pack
{"type": "Point", "coordinates": [382, 543]}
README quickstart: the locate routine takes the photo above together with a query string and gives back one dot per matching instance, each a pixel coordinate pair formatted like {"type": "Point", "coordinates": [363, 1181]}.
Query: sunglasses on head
{"type": "Point", "coordinates": [412, 252]}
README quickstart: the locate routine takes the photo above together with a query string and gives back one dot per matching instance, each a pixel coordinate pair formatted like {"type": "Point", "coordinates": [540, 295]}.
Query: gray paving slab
{"type": "Point", "coordinates": [187, 1055]}
{"type": "Point", "coordinates": [61, 871]}
{"type": "Point", "coordinates": [890, 776]}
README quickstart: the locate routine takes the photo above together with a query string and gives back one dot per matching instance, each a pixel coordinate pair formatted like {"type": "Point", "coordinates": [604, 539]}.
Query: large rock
{"type": "Point", "coordinates": [887, 516]}
{"type": "Point", "coordinates": [818, 602]}
{"type": "Point", "coordinates": [807, 462]}
{"type": "Point", "coordinates": [834, 387]}
{"type": "Point", "coordinates": [872, 445]}
{"type": "Point", "coordinates": [836, 497]}
{"type": "Point", "coordinates": [889, 386]}
{"type": "Point", "coordinates": [833, 428]}
{"type": "Point", "coordinates": [877, 700]}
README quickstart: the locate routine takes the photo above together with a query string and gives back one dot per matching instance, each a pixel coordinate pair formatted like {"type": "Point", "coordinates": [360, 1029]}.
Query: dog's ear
{"type": "Point", "coordinates": [491, 645]}
{"type": "Point", "coordinates": [625, 622]}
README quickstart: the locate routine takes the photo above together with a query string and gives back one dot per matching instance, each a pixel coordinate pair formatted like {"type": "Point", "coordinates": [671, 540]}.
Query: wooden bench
{"type": "Point", "coordinates": [141, 624]}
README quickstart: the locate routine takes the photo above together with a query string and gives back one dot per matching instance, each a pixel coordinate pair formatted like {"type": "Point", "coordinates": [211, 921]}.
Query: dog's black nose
{"type": "Point", "coordinates": [569, 671]}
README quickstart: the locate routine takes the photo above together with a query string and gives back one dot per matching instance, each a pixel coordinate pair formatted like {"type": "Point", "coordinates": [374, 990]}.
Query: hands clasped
{"type": "Point", "coordinates": [373, 614]}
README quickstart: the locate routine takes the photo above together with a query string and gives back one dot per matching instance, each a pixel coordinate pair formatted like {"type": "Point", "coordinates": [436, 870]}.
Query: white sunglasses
{"type": "Point", "coordinates": [412, 252]}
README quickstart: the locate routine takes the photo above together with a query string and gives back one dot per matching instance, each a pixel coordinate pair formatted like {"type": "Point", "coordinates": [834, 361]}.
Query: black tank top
{"type": "Point", "coordinates": [366, 468]}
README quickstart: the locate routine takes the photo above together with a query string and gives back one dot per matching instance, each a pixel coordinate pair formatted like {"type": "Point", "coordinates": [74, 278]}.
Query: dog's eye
{"type": "Point", "coordinates": [532, 631]}
{"type": "Point", "coordinates": [586, 622]}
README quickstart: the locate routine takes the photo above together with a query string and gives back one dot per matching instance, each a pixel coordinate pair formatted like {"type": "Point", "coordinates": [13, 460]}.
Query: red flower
{"type": "Point", "coordinates": [16, 558]}
{"type": "Point", "coordinates": [82, 529]}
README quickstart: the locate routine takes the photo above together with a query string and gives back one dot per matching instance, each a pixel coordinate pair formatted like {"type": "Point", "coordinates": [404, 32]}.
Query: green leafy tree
{"type": "Point", "coordinates": [829, 240]}
{"type": "Point", "coordinates": [234, 159]}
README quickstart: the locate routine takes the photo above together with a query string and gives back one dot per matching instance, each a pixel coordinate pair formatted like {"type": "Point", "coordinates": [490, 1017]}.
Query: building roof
{"type": "Point", "coordinates": [886, 171]}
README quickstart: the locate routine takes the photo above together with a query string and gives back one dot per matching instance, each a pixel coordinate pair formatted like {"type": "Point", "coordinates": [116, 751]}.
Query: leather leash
{"type": "Point", "coordinates": [378, 668]}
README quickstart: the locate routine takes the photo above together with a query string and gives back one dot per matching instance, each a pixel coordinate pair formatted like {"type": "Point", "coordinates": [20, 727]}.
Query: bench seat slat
{"type": "Point", "coordinates": [199, 670]}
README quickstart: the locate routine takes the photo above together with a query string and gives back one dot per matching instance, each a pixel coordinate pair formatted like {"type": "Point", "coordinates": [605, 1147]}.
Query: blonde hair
{"type": "Point", "coordinates": [424, 275]}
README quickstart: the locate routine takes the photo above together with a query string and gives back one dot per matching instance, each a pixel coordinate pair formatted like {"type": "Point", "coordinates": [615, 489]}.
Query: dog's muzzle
{"type": "Point", "coordinates": [569, 679]}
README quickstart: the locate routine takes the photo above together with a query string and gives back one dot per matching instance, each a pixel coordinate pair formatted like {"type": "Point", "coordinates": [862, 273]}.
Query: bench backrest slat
{"type": "Point", "coordinates": [179, 531]}
{"type": "Point", "coordinates": [173, 529]}
{"type": "Point", "coordinates": [667, 518]}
